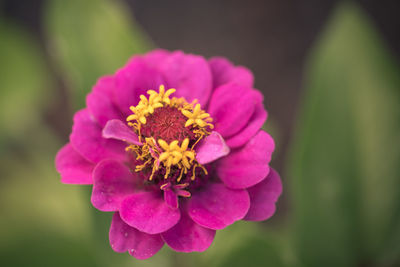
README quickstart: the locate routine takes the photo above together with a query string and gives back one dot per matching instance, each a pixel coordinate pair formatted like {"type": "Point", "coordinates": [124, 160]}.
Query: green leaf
{"type": "Point", "coordinates": [256, 247]}
{"type": "Point", "coordinates": [43, 220]}
{"type": "Point", "coordinates": [24, 83]}
{"type": "Point", "coordinates": [344, 165]}
{"type": "Point", "coordinates": [40, 247]}
{"type": "Point", "coordinates": [89, 39]}
{"type": "Point", "coordinates": [32, 195]}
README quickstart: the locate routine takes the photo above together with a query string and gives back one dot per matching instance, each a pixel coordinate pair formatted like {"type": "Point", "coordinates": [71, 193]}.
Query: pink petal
{"type": "Point", "coordinates": [74, 168]}
{"type": "Point", "coordinates": [125, 238]}
{"type": "Point", "coordinates": [231, 107]}
{"type": "Point", "coordinates": [189, 74]}
{"type": "Point", "coordinates": [217, 206]}
{"type": "Point", "coordinates": [224, 72]}
{"type": "Point", "coordinates": [211, 148]}
{"type": "Point", "coordinates": [187, 236]}
{"type": "Point", "coordinates": [134, 80]}
{"type": "Point", "coordinates": [100, 101]}
{"type": "Point", "coordinates": [255, 123]}
{"type": "Point", "coordinates": [171, 199]}
{"type": "Point", "coordinates": [248, 165]}
{"type": "Point", "coordinates": [118, 130]}
{"type": "Point", "coordinates": [148, 212]}
{"type": "Point", "coordinates": [87, 140]}
{"type": "Point", "coordinates": [112, 183]}
{"type": "Point", "coordinates": [155, 57]}
{"type": "Point", "coordinates": [263, 197]}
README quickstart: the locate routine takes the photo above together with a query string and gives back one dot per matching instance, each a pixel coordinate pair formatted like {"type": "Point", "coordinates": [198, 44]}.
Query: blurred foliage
{"type": "Point", "coordinates": [24, 83]}
{"type": "Point", "coordinates": [89, 39]}
{"type": "Point", "coordinates": [345, 174]}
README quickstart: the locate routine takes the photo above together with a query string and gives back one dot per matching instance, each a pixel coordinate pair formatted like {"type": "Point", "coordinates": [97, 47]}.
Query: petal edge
{"type": "Point", "coordinates": [148, 212]}
{"type": "Point", "coordinates": [125, 238]}
{"type": "Point", "coordinates": [248, 165]}
{"type": "Point", "coordinates": [73, 168]}
{"type": "Point", "coordinates": [211, 148]}
{"type": "Point", "coordinates": [217, 206]}
{"type": "Point", "coordinates": [187, 236]}
{"type": "Point", "coordinates": [263, 197]}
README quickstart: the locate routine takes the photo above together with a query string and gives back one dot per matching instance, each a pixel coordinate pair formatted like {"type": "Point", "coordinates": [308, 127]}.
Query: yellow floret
{"type": "Point", "coordinates": [162, 96]}
{"type": "Point", "coordinates": [138, 115]}
{"type": "Point", "coordinates": [174, 155]}
{"type": "Point", "coordinates": [197, 117]}
{"type": "Point", "coordinates": [148, 105]}
{"type": "Point", "coordinates": [186, 154]}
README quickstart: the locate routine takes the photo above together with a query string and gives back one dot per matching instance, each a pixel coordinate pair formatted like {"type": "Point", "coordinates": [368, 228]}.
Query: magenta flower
{"type": "Point", "coordinates": [174, 165]}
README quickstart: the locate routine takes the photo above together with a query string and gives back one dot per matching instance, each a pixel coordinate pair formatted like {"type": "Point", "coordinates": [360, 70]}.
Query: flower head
{"type": "Point", "coordinates": [173, 146]}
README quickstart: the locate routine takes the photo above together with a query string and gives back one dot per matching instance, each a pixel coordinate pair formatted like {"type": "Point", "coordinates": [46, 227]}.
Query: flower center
{"type": "Point", "coordinates": [168, 124]}
{"type": "Point", "coordinates": [169, 129]}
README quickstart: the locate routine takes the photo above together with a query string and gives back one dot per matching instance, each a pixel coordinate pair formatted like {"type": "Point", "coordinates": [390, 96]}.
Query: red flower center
{"type": "Point", "coordinates": [167, 123]}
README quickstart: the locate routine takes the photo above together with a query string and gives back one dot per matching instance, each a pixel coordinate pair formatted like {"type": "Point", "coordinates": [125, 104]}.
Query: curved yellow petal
{"type": "Point", "coordinates": [163, 144]}
{"type": "Point", "coordinates": [163, 156]}
{"type": "Point", "coordinates": [185, 144]}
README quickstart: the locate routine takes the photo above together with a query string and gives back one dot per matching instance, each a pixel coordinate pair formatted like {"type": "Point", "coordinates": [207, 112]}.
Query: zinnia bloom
{"type": "Point", "coordinates": [173, 145]}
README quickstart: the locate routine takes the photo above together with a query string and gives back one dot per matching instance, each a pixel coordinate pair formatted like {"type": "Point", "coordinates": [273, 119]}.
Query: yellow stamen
{"type": "Point", "coordinates": [138, 115]}
{"type": "Point", "coordinates": [194, 170]}
{"type": "Point", "coordinates": [147, 106]}
{"type": "Point", "coordinates": [176, 155]}
{"type": "Point", "coordinates": [162, 95]}
{"type": "Point", "coordinates": [197, 117]}
{"type": "Point", "coordinates": [180, 176]}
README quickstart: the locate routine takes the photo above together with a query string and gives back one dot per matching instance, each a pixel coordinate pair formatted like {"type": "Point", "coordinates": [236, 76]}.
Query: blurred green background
{"type": "Point", "coordinates": [338, 150]}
